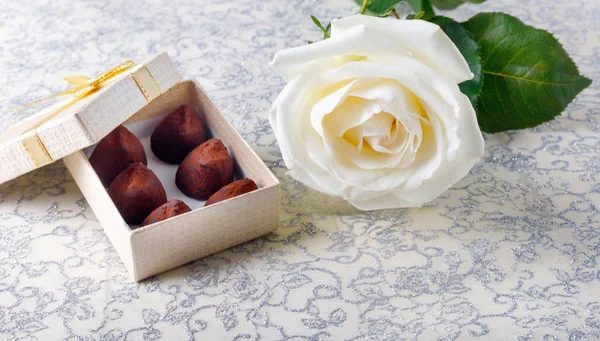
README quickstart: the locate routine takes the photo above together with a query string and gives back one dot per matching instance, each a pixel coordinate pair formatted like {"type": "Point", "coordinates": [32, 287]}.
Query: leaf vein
{"type": "Point", "coordinates": [494, 49]}
{"type": "Point", "coordinates": [520, 92]}
{"type": "Point", "coordinates": [515, 56]}
{"type": "Point", "coordinates": [526, 79]}
{"type": "Point", "coordinates": [499, 97]}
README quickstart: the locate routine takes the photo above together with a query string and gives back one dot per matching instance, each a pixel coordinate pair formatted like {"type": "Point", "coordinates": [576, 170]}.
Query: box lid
{"type": "Point", "coordinates": [85, 116]}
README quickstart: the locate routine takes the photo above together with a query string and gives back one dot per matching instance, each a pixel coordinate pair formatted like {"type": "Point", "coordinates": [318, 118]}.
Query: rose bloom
{"type": "Point", "coordinates": [374, 113]}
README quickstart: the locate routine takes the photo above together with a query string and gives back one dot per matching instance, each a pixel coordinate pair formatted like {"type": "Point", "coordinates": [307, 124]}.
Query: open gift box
{"type": "Point", "coordinates": [139, 99]}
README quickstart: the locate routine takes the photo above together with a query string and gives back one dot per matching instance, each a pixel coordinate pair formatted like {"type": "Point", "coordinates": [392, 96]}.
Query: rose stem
{"type": "Point", "coordinates": [364, 6]}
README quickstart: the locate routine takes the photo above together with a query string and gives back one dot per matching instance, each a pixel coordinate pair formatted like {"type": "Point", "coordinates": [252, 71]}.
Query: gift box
{"type": "Point", "coordinates": [139, 96]}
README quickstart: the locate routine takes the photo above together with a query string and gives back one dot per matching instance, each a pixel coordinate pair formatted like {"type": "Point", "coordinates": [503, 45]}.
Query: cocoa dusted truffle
{"type": "Point", "coordinates": [234, 189]}
{"type": "Point", "coordinates": [205, 170]}
{"type": "Point", "coordinates": [178, 134]}
{"type": "Point", "coordinates": [167, 210]}
{"type": "Point", "coordinates": [137, 192]}
{"type": "Point", "coordinates": [114, 153]}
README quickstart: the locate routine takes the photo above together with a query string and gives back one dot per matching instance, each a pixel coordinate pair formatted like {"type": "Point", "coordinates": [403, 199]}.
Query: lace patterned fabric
{"type": "Point", "coordinates": [510, 252]}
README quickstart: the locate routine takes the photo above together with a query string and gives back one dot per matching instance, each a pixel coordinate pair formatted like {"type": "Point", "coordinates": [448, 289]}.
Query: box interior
{"type": "Point", "coordinates": [165, 171]}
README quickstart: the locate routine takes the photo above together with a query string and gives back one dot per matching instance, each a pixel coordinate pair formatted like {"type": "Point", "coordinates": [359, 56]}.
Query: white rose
{"type": "Point", "coordinates": [374, 113]}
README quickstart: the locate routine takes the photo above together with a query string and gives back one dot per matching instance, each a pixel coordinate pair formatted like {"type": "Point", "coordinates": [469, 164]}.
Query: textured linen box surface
{"type": "Point", "coordinates": [158, 247]}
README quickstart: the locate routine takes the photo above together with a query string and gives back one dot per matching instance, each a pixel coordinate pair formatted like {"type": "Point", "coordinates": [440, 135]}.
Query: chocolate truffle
{"type": "Point", "coordinates": [234, 189]}
{"type": "Point", "coordinates": [167, 210]}
{"type": "Point", "coordinates": [178, 134]}
{"type": "Point", "coordinates": [114, 153]}
{"type": "Point", "coordinates": [205, 170]}
{"type": "Point", "coordinates": [137, 192]}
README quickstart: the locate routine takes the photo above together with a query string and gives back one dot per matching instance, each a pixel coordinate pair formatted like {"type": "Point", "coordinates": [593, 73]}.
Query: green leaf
{"type": "Point", "coordinates": [467, 46]}
{"type": "Point", "coordinates": [325, 30]}
{"type": "Point", "coordinates": [378, 8]}
{"type": "Point", "coordinates": [528, 78]}
{"type": "Point", "coordinates": [382, 6]}
{"type": "Point", "coordinates": [386, 13]}
{"type": "Point", "coordinates": [320, 26]}
{"type": "Point", "coordinates": [381, 15]}
{"type": "Point", "coordinates": [422, 6]}
{"type": "Point", "coordinates": [418, 15]}
{"type": "Point", "coordinates": [452, 4]}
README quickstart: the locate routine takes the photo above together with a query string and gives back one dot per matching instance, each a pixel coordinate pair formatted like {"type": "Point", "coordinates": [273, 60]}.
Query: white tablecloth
{"type": "Point", "coordinates": [510, 252]}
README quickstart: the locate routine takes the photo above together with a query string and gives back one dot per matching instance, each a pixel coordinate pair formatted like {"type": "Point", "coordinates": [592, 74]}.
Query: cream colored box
{"type": "Point", "coordinates": [139, 96]}
{"type": "Point", "coordinates": [155, 248]}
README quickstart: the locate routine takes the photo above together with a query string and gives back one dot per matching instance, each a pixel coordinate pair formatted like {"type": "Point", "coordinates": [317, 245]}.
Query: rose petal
{"type": "Point", "coordinates": [355, 42]}
{"type": "Point", "coordinates": [427, 42]}
{"type": "Point", "coordinates": [418, 79]}
{"type": "Point", "coordinates": [436, 93]}
{"type": "Point", "coordinates": [352, 114]}
{"type": "Point", "coordinates": [290, 119]}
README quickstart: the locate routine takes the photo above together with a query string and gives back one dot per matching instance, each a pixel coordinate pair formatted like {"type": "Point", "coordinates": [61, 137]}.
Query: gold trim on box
{"type": "Point", "coordinates": [38, 153]}
{"type": "Point", "coordinates": [147, 84]}
{"type": "Point", "coordinates": [83, 87]}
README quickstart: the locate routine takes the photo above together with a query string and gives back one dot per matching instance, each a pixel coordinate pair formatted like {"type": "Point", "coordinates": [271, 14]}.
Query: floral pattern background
{"type": "Point", "coordinates": [509, 253]}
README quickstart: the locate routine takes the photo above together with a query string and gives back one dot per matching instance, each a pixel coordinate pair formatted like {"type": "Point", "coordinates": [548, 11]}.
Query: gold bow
{"type": "Point", "coordinates": [83, 87]}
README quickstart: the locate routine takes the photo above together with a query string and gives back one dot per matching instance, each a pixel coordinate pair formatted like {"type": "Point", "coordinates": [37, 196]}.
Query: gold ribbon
{"type": "Point", "coordinates": [83, 87]}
